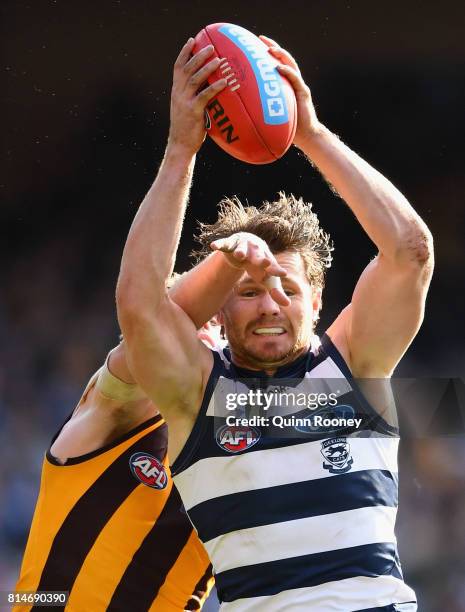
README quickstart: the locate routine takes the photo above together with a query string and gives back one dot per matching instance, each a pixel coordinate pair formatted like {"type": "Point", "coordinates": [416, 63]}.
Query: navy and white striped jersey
{"type": "Point", "coordinates": [296, 523]}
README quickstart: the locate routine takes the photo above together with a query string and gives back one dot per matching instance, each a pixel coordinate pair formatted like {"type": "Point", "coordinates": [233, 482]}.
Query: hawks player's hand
{"type": "Point", "coordinates": [307, 120]}
{"type": "Point", "coordinates": [187, 127]}
{"type": "Point", "coordinates": [252, 254]}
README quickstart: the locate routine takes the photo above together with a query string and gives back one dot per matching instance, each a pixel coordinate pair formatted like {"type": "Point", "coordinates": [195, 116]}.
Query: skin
{"type": "Point", "coordinates": [393, 286]}
{"type": "Point", "coordinates": [97, 420]}
{"type": "Point", "coordinates": [372, 332]}
{"type": "Point", "coordinates": [250, 307]}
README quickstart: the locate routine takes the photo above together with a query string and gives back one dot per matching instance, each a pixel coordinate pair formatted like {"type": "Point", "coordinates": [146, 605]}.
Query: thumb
{"type": "Point", "coordinates": [223, 244]}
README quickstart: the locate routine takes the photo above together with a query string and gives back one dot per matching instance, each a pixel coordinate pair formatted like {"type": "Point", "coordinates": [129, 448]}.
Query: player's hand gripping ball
{"type": "Point", "coordinates": [254, 118]}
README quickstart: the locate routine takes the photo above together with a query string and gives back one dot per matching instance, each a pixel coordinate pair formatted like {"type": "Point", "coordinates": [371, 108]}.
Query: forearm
{"type": "Point", "coordinates": [384, 213]}
{"type": "Point", "coordinates": [203, 290]}
{"type": "Point", "coordinates": [150, 250]}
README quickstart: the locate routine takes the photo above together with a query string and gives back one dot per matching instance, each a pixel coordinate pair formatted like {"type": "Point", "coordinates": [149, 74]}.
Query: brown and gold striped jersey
{"type": "Point", "coordinates": [110, 528]}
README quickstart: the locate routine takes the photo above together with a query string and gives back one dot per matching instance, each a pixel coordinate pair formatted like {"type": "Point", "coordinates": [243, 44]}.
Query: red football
{"type": "Point", "coordinates": [254, 118]}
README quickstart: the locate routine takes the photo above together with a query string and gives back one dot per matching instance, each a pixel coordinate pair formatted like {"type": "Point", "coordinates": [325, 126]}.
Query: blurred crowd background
{"type": "Point", "coordinates": [85, 113]}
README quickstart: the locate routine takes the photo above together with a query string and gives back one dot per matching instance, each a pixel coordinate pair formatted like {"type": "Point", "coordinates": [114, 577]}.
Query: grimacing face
{"type": "Point", "coordinates": [262, 334]}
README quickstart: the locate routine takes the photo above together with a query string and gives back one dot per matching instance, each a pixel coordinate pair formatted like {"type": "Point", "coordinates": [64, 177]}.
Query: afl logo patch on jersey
{"type": "Point", "coordinates": [235, 439]}
{"type": "Point", "coordinates": [337, 452]}
{"type": "Point", "coordinates": [148, 470]}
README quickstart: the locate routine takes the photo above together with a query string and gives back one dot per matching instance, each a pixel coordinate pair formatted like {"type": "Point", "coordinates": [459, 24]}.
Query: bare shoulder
{"type": "Point", "coordinates": [375, 387]}
{"type": "Point", "coordinates": [337, 332]}
{"type": "Point", "coordinates": [362, 359]}
{"type": "Point", "coordinates": [181, 417]}
{"type": "Point", "coordinates": [98, 421]}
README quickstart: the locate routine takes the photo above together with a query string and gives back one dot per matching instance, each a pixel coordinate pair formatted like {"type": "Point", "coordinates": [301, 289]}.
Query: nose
{"type": "Point", "coordinates": [267, 306]}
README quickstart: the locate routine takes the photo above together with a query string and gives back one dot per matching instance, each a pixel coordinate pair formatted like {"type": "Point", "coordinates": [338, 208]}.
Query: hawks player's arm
{"type": "Point", "coordinates": [103, 414]}
{"type": "Point", "coordinates": [112, 404]}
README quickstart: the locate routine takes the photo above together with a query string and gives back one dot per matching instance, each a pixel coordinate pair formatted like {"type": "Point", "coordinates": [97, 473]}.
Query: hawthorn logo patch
{"type": "Point", "coordinates": [148, 470]}
{"type": "Point", "coordinates": [337, 453]}
{"type": "Point", "coordinates": [234, 439]}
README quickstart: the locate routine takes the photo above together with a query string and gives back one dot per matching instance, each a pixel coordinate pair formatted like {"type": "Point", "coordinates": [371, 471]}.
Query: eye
{"type": "Point", "coordinates": [249, 293]}
{"type": "Point", "coordinates": [289, 292]}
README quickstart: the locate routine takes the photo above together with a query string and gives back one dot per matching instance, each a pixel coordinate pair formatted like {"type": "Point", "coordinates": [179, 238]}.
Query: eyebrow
{"type": "Point", "coordinates": [250, 281]}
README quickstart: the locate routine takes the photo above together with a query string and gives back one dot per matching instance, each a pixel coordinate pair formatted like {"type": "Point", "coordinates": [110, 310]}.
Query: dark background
{"type": "Point", "coordinates": [84, 123]}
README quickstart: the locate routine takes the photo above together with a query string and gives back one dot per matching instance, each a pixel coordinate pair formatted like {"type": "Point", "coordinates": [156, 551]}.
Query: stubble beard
{"type": "Point", "coordinates": [263, 360]}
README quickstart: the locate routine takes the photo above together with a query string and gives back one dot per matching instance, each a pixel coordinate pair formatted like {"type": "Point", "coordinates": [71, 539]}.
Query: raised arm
{"type": "Point", "coordinates": [161, 346]}
{"type": "Point", "coordinates": [387, 306]}
{"type": "Point", "coordinates": [163, 351]}
{"type": "Point", "coordinates": [112, 402]}
{"type": "Point", "coordinates": [203, 290]}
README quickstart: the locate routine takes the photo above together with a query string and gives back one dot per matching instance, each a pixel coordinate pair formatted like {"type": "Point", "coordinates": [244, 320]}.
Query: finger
{"type": "Point", "coordinates": [202, 75]}
{"type": "Point", "coordinates": [277, 51]}
{"type": "Point", "coordinates": [280, 297]}
{"type": "Point", "coordinates": [184, 54]}
{"type": "Point", "coordinates": [257, 256]}
{"type": "Point", "coordinates": [257, 274]}
{"type": "Point", "coordinates": [291, 75]}
{"type": "Point", "coordinates": [262, 263]}
{"type": "Point", "coordinates": [268, 41]}
{"type": "Point", "coordinates": [198, 60]}
{"type": "Point", "coordinates": [275, 270]}
{"type": "Point", "coordinates": [275, 288]}
{"type": "Point", "coordinates": [240, 252]}
{"type": "Point", "coordinates": [284, 56]}
{"type": "Point", "coordinates": [211, 91]}
{"type": "Point", "coordinates": [227, 245]}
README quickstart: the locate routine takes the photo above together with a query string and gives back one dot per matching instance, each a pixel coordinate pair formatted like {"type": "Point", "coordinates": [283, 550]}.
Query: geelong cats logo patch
{"type": "Point", "coordinates": [336, 452]}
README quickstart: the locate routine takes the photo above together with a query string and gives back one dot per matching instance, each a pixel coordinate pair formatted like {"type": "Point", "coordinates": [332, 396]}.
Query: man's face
{"type": "Point", "coordinates": [262, 334]}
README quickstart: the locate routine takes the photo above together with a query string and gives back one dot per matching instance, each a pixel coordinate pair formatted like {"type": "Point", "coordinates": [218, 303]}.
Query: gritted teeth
{"type": "Point", "coordinates": [263, 331]}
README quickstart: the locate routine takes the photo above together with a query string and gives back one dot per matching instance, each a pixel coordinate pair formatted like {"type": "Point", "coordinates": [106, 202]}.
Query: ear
{"type": "Point", "coordinates": [219, 317]}
{"type": "Point", "coordinates": [316, 302]}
